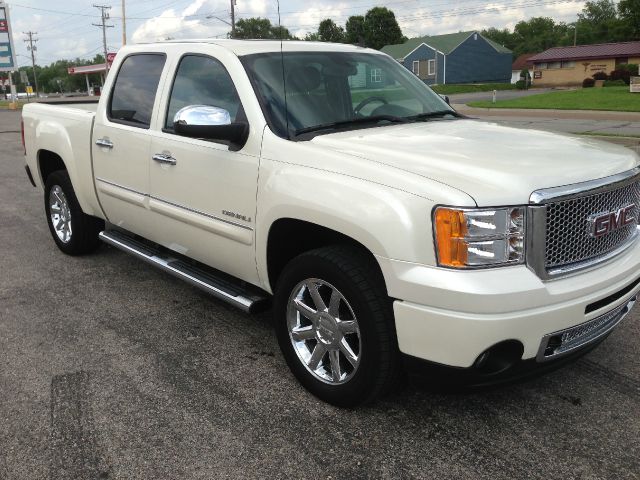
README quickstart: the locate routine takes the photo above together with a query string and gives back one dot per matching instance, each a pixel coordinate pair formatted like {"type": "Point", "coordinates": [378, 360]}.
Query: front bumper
{"type": "Point", "coordinates": [452, 317]}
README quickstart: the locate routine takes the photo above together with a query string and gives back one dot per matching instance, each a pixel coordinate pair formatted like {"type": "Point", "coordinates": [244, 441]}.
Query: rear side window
{"type": "Point", "coordinates": [135, 90]}
{"type": "Point", "coordinates": [202, 81]}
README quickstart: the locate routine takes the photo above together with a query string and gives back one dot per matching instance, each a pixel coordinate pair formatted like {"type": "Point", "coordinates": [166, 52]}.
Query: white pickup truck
{"type": "Point", "coordinates": [389, 229]}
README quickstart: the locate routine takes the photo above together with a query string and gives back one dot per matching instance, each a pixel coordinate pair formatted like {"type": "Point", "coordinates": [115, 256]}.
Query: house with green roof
{"type": "Point", "coordinates": [463, 57]}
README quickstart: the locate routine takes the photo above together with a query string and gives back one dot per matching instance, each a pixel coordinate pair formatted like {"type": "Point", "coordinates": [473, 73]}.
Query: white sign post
{"type": "Point", "coordinates": [634, 86]}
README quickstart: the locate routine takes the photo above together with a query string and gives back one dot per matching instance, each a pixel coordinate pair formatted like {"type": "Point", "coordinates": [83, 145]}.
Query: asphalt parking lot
{"type": "Point", "coordinates": [111, 369]}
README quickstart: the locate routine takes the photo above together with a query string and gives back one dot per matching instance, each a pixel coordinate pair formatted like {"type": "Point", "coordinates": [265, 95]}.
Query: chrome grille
{"type": "Point", "coordinates": [567, 237]}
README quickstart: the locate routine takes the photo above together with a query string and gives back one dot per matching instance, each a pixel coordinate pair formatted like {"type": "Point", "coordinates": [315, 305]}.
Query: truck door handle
{"type": "Point", "coordinates": [164, 158]}
{"type": "Point", "coordinates": [104, 142]}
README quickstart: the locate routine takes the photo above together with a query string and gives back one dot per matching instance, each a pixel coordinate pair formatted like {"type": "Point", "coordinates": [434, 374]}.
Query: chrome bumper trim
{"type": "Point", "coordinates": [561, 343]}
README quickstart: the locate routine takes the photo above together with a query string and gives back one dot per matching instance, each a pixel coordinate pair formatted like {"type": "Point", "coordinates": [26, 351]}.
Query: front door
{"type": "Point", "coordinates": [203, 193]}
{"type": "Point", "coordinates": [121, 142]}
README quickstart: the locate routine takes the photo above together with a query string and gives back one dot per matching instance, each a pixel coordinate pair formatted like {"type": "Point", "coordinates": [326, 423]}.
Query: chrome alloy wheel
{"type": "Point", "coordinates": [60, 214]}
{"type": "Point", "coordinates": [324, 331]}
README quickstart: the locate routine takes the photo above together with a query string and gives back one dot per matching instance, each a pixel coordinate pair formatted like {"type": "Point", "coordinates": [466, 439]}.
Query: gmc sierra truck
{"type": "Point", "coordinates": [388, 229]}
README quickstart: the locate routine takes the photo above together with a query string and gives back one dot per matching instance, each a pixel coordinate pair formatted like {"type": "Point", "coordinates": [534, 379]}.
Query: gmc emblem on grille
{"type": "Point", "coordinates": [604, 223]}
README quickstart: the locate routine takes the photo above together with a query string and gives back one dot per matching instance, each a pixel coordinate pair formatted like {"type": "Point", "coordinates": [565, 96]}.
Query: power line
{"type": "Point", "coordinates": [32, 48]}
{"type": "Point", "coordinates": [104, 15]}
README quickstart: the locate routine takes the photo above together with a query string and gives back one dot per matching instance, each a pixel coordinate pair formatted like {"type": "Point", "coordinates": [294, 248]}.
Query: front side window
{"type": "Point", "coordinates": [416, 67]}
{"type": "Point", "coordinates": [202, 80]}
{"type": "Point", "coordinates": [135, 88]}
{"type": "Point", "coordinates": [343, 88]}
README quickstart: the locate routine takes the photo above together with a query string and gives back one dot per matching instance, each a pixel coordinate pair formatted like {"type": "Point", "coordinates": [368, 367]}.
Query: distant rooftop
{"type": "Point", "coordinates": [443, 43]}
{"type": "Point", "coordinates": [585, 52]}
{"type": "Point", "coordinates": [523, 61]}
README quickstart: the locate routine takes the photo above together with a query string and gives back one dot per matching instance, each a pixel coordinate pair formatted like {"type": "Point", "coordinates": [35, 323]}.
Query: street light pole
{"type": "Point", "coordinates": [233, 19]}
{"type": "Point", "coordinates": [124, 25]}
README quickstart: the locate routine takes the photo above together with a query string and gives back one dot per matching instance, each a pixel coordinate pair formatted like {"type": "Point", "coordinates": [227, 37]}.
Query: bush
{"type": "Point", "coordinates": [600, 76]}
{"type": "Point", "coordinates": [588, 83]}
{"type": "Point", "coordinates": [632, 68]}
{"type": "Point", "coordinates": [615, 83]}
{"type": "Point", "coordinates": [621, 74]}
{"type": "Point", "coordinates": [521, 85]}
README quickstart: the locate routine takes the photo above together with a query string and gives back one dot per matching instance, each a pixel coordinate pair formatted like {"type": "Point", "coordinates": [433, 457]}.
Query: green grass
{"type": "Point", "coordinates": [605, 134]}
{"type": "Point", "coordinates": [617, 99]}
{"type": "Point", "coordinates": [4, 104]}
{"type": "Point", "coordinates": [472, 88]}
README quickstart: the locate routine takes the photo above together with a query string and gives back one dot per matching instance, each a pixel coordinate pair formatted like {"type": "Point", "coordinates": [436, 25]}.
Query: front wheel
{"type": "Point", "coordinates": [335, 326]}
{"type": "Point", "coordinates": [74, 232]}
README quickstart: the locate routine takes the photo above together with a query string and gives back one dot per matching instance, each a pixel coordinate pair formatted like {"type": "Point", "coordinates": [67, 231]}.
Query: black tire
{"type": "Point", "coordinates": [84, 228]}
{"type": "Point", "coordinates": [354, 273]}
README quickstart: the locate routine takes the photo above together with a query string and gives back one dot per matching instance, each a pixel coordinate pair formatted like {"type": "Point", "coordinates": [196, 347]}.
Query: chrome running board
{"type": "Point", "coordinates": [224, 287]}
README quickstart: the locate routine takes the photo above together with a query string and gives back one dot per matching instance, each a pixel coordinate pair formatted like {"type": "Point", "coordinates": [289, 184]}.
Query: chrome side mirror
{"type": "Point", "coordinates": [210, 123]}
{"type": "Point", "coordinates": [202, 115]}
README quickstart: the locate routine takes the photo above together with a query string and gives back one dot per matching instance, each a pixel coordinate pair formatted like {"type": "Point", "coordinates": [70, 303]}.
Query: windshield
{"type": "Point", "coordinates": [327, 91]}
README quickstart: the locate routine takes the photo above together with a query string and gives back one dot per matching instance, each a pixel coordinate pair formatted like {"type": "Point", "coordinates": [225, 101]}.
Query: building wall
{"type": "Point", "coordinates": [476, 61]}
{"type": "Point", "coordinates": [422, 55]}
{"type": "Point", "coordinates": [575, 74]}
{"type": "Point", "coordinates": [515, 75]}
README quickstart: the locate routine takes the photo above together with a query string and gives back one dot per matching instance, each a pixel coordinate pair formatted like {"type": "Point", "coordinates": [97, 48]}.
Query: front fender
{"type": "Point", "coordinates": [390, 223]}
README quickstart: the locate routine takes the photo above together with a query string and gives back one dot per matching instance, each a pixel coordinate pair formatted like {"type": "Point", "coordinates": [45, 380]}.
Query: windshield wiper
{"type": "Point", "coordinates": [353, 121]}
{"type": "Point", "coordinates": [437, 113]}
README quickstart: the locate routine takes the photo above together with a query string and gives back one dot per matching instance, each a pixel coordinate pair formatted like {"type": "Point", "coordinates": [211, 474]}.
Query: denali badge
{"type": "Point", "coordinates": [603, 223]}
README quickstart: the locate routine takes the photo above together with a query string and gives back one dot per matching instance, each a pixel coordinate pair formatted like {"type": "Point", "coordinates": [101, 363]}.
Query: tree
{"type": "Point", "coordinates": [629, 11]}
{"type": "Point", "coordinates": [381, 28]}
{"type": "Point", "coordinates": [503, 37]}
{"type": "Point", "coordinates": [328, 31]}
{"type": "Point", "coordinates": [312, 37]}
{"type": "Point", "coordinates": [355, 30]}
{"type": "Point", "coordinates": [599, 23]}
{"type": "Point", "coordinates": [260, 28]}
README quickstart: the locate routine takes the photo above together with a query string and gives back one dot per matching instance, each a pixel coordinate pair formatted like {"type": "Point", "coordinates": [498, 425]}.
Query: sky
{"type": "Point", "coordinates": [65, 31]}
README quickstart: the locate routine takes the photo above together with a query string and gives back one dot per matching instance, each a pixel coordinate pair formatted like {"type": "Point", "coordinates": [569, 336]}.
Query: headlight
{"type": "Point", "coordinates": [473, 238]}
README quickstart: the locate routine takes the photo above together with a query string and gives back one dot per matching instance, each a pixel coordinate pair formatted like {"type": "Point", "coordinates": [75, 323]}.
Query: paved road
{"type": "Point", "coordinates": [110, 369]}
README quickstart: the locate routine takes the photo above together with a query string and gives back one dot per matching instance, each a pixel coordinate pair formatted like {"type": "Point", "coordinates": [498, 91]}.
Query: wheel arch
{"type": "Point", "coordinates": [49, 162]}
{"type": "Point", "coordinates": [289, 237]}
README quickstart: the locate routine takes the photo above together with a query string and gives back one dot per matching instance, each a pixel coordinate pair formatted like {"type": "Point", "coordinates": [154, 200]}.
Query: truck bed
{"type": "Point", "coordinates": [64, 129]}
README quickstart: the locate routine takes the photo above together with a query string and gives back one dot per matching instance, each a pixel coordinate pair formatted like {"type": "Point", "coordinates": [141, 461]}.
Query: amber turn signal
{"type": "Point", "coordinates": [451, 229]}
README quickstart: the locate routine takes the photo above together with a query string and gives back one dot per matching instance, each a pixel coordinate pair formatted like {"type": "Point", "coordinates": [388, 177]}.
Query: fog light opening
{"type": "Point", "coordinates": [499, 358]}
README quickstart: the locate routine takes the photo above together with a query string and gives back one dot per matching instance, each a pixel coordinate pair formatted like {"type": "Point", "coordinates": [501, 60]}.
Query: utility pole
{"type": "Point", "coordinates": [32, 49]}
{"type": "Point", "coordinates": [233, 19]}
{"type": "Point", "coordinates": [103, 24]}
{"type": "Point", "coordinates": [124, 25]}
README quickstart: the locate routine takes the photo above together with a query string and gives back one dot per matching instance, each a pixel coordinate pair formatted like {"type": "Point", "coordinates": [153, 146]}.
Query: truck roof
{"type": "Point", "coordinates": [247, 47]}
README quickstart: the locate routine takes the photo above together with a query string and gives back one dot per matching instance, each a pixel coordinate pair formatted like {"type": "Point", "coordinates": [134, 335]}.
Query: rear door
{"type": "Point", "coordinates": [121, 142]}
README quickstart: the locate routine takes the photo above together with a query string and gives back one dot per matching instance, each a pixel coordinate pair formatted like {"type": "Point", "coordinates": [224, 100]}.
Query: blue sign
{"type": "Point", "coordinates": [6, 56]}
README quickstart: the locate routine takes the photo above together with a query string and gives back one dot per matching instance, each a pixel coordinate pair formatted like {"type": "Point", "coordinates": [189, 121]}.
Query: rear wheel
{"type": "Point", "coordinates": [74, 232]}
{"type": "Point", "coordinates": [335, 326]}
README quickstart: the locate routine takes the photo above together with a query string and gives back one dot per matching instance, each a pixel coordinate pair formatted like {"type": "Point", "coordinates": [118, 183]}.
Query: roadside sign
{"type": "Point", "coordinates": [29, 89]}
{"type": "Point", "coordinates": [634, 86]}
{"type": "Point", "coordinates": [110, 58]}
{"type": "Point", "coordinates": [7, 52]}
{"type": "Point", "coordinates": [23, 77]}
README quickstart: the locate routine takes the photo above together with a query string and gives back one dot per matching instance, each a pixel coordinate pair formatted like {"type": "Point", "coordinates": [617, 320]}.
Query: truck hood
{"type": "Point", "coordinates": [495, 165]}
